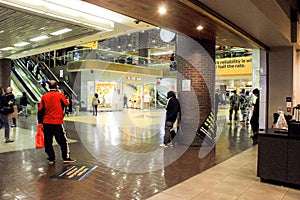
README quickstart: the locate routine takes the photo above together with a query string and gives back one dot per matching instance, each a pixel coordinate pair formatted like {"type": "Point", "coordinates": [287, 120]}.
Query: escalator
{"type": "Point", "coordinates": [162, 95]}
{"type": "Point", "coordinates": [33, 97]}
{"type": "Point", "coordinates": [51, 76]}
{"type": "Point", "coordinates": [27, 80]}
{"type": "Point", "coordinates": [32, 77]}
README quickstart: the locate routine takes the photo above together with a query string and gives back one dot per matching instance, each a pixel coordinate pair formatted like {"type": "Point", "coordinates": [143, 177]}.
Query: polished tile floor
{"type": "Point", "coordinates": [130, 164]}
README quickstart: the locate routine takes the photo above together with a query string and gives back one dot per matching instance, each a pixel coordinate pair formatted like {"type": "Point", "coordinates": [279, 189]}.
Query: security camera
{"type": "Point", "coordinates": [137, 21]}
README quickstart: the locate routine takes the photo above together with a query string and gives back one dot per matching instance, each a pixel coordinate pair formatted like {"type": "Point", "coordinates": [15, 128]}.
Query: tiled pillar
{"type": "Point", "coordinates": [143, 47]}
{"type": "Point", "coordinates": [5, 65]}
{"type": "Point", "coordinates": [195, 63]}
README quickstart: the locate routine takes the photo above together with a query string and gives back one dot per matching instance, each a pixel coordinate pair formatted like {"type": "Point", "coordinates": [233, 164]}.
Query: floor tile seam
{"type": "Point", "coordinates": [249, 161]}
{"type": "Point", "coordinates": [215, 168]}
{"type": "Point", "coordinates": [285, 195]}
{"type": "Point", "coordinates": [217, 193]}
{"type": "Point", "coordinates": [206, 189]}
{"type": "Point", "coordinates": [246, 190]}
{"type": "Point", "coordinates": [246, 176]}
{"type": "Point", "coordinates": [185, 183]}
{"type": "Point", "coordinates": [235, 157]}
{"type": "Point", "coordinates": [169, 194]}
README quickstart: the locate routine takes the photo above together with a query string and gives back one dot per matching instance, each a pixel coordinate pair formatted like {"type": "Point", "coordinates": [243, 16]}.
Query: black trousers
{"type": "Point", "coordinates": [254, 121]}
{"type": "Point", "coordinates": [58, 132]}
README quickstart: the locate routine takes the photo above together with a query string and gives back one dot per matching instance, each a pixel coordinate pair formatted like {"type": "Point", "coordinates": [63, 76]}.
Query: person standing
{"type": "Point", "coordinates": [37, 70]}
{"type": "Point", "coordinates": [11, 97]}
{"type": "Point", "coordinates": [125, 101]}
{"type": "Point", "coordinates": [254, 121]}
{"type": "Point", "coordinates": [173, 112]}
{"type": "Point", "coordinates": [234, 106]}
{"type": "Point", "coordinates": [23, 104]}
{"type": "Point", "coordinates": [50, 115]}
{"type": "Point", "coordinates": [245, 107]}
{"type": "Point", "coordinates": [95, 103]}
{"type": "Point", "coordinates": [5, 109]}
{"type": "Point", "coordinates": [217, 102]}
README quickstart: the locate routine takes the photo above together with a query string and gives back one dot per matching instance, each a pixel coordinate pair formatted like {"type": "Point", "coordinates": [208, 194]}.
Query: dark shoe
{"type": "Point", "coordinates": [69, 160]}
{"type": "Point", "coordinates": [13, 125]}
{"type": "Point", "coordinates": [9, 140]}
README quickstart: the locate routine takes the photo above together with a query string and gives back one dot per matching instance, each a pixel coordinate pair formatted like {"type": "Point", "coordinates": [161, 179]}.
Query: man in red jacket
{"type": "Point", "coordinates": [51, 114]}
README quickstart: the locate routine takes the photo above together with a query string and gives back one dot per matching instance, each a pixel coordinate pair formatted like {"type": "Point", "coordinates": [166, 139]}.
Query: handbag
{"type": "Point", "coordinates": [39, 137]}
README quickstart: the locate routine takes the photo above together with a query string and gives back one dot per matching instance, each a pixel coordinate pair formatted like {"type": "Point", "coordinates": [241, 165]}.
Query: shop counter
{"type": "Point", "coordinates": [279, 157]}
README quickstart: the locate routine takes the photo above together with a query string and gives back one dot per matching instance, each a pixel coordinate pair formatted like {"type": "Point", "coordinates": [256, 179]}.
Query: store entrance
{"type": "Point", "coordinates": [140, 96]}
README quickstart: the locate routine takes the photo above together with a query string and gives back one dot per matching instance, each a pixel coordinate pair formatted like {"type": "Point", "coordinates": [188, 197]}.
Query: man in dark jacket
{"type": "Point", "coordinates": [173, 111]}
{"type": "Point", "coordinates": [23, 104]}
{"type": "Point", "coordinates": [11, 97]}
{"type": "Point", "coordinates": [5, 108]}
{"type": "Point", "coordinates": [254, 121]}
{"type": "Point", "coordinates": [50, 115]}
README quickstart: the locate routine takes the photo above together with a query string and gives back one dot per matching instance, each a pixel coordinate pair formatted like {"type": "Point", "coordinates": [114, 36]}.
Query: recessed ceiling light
{"type": "Point", "coordinates": [162, 10]}
{"type": "Point", "coordinates": [6, 48]}
{"type": "Point", "coordinates": [62, 31]}
{"type": "Point", "coordinates": [199, 28]}
{"type": "Point", "coordinates": [39, 38]}
{"type": "Point", "coordinates": [21, 44]}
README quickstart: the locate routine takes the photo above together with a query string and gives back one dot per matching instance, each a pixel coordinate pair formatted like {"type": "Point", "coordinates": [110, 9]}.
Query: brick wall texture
{"type": "Point", "coordinates": [195, 62]}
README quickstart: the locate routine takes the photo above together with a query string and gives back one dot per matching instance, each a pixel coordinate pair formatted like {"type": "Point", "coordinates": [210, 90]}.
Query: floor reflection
{"type": "Point", "coordinates": [124, 146]}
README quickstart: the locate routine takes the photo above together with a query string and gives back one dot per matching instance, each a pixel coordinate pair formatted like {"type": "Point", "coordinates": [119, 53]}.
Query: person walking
{"type": "Point", "coordinates": [254, 121]}
{"type": "Point", "coordinates": [50, 115]}
{"type": "Point", "coordinates": [95, 103]}
{"type": "Point", "coordinates": [173, 112]}
{"type": "Point", "coordinates": [125, 101]}
{"type": "Point", "coordinates": [5, 109]}
{"type": "Point", "coordinates": [234, 106]}
{"type": "Point", "coordinates": [23, 104]}
{"type": "Point", "coordinates": [245, 100]}
{"type": "Point", "coordinates": [11, 97]}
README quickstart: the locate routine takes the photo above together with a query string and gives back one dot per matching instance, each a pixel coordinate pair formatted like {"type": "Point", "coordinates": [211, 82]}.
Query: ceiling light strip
{"type": "Point", "coordinates": [56, 10]}
{"type": "Point", "coordinates": [21, 44]}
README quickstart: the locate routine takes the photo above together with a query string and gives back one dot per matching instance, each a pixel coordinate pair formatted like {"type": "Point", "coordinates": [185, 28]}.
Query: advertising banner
{"type": "Point", "coordinates": [239, 66]}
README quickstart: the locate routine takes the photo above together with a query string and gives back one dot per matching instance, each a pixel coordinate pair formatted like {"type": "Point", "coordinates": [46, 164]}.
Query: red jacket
{"type": "Point", "coordinates": [52, 106]}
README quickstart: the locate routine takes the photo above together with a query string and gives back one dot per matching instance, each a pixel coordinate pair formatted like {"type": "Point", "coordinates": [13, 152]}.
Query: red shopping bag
{"type": "Point", "coordinates": [39, 137]}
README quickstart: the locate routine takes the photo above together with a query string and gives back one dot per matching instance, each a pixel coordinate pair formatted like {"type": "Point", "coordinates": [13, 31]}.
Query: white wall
{"type": "Point", "coordinates": [296, 82]}
{"type": "Point", "coordinates": [281, 60]}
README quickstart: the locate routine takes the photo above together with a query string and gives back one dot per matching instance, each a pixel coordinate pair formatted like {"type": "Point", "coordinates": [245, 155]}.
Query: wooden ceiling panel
{"type": "Point", "coordinates": [20, 26]}
{"type": "Point", "coordinates": [179, 17]}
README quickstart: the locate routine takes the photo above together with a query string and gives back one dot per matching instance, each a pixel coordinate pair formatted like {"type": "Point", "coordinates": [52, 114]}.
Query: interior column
{"type": "Point", "coordinates": [5, 65]}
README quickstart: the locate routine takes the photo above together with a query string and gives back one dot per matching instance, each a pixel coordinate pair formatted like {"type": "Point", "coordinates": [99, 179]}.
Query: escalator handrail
{"type": "Point", "coordinates": [25, 86]}
{"type": "Point", "coordinates": [22, 88]}
{"type": "Point", "coordinates": [31, 78]}
{"type": "Point", "coordinates": [56, 79]}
